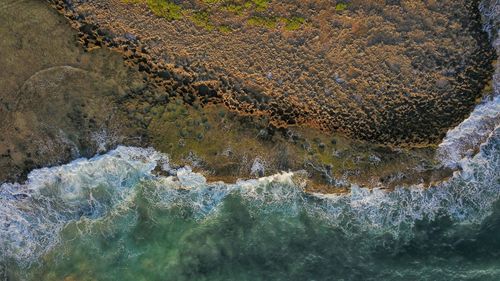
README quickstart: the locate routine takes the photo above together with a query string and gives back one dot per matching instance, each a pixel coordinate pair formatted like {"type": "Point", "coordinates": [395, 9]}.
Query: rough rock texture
{"type": "Point", "coordinates": [399, 72]}
{"type": "Point", "coordinates": [67, 103]}
{"type": "Point", "coordinates": [57, 103]}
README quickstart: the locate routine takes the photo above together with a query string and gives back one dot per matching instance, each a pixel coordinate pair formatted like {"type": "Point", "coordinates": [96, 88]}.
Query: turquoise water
{"type": "Point", "coordinates": [112, 218]}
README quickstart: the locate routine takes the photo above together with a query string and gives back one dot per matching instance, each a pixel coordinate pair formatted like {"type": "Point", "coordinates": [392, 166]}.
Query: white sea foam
{"type": "Point", "coordinates": [462, 140]}
{"type": "Point", "coordinates": [33, 214]}
{"type": "Point", "coordinates": [490, 10]}
{"type": "Point", "coordinates": [468, 135]}
{"type": "Point", "coordinates": [466, 198]}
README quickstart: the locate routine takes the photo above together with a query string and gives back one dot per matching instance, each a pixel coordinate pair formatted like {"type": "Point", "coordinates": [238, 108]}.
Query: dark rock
{"type": "Point", "coordinates": [164, 74]}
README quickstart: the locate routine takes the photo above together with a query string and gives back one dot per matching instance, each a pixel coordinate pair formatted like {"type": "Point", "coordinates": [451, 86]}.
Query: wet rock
{"type": "Point", "coordinates": [164, 74]}
{"type": "Point", "coordinates": [442, 83]}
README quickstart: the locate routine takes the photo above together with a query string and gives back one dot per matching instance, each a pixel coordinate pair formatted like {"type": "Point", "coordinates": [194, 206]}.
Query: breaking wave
{"type": "Point", "coordinates": [33, 214]}
{"type": "Point", "coordinates": [462, 140]}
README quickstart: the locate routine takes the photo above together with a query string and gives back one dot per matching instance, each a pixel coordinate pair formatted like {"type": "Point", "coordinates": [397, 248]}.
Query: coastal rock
{"type": "Point", "coordinates": [368, 77]}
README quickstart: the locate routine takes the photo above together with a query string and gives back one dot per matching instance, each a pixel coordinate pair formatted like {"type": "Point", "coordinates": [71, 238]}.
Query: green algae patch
{"type": "Point", "coordinates": [270, 23]}
{"type": "Point", "coordinates": [224, 146]}
{"type": "Point", "coordinates": [340, 7]}
{"type": "Point", "coordinates": [166, 9]}
{"type": "Point", "coordinates": [261, 5]}
{"type": "Point", "coordinates": [162, 8]}
{"type": "Point", "coordinates": [222, 15]}
{"type": "Point", "coordinates": [202, 19]}
{"type": "Point", "coordinates": [196, 136]}
{"type": "Point", "coordinates": [294, 23]}
{"type": "Point", "coordinates": [225, 29]}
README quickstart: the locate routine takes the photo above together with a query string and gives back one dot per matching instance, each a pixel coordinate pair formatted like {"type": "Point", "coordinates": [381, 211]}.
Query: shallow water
{"type": "Point", "coordinates": [112, 218]}
{"type": "Point", "coordinates": [115, 217]}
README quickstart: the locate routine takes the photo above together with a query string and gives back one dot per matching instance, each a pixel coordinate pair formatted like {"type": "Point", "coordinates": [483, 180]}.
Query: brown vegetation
{"type": "Point", "coordinates": [399, 72]}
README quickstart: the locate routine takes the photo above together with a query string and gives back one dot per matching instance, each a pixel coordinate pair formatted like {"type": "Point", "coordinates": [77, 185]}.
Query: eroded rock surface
{"type": "Point", "coordinates": [69, 102]}
{"type": "Point", "coordinates": [399, 72]}
{"type": "Point", "coordinates": [57, 103]}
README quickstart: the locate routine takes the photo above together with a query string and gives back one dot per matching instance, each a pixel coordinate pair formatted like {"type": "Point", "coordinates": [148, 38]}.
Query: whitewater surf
{"type": "Point", "coordinates": [112, 217]}
{"type": "Point", "coordinates": [129, 215]}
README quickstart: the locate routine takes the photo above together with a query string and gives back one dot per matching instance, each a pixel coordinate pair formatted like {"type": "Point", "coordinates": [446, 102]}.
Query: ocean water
{"type": "Point", "coordinates": [112, 217]}
{"type": "Point", "coordinates": [115, 217]}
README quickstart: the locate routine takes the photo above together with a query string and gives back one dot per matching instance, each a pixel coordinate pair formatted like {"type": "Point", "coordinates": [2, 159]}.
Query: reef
{"type": "Point", "coordinates": [390, 72]}
{"type": "Point", "coordinates": [271, 94]}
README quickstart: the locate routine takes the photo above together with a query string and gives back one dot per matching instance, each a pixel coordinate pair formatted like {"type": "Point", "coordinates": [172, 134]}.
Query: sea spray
{"type": "Point", "coordinates": [88, 191]}
{"type": "Point", "coordinates": [462, 140]}
{"type": "Point", "coordinates": [33, 214]}
{"type": "Point", "coordinates": [63, 214]}
{"type": "Point", "coordinates": [112, 218]}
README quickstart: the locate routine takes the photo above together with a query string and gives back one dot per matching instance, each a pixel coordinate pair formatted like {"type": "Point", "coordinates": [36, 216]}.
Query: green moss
{"type": "Point", "coordinates": [202, 19]}
{"type": "Point", "coordinates": [340, 6]}
{"type": "Point", "coordinates": [237, 9]}
{"type": "Point", "coordinates": [166, 9]}
{"type": "Point", "coordinates": [202, 16]}
{"type": "Point", "coordinates": [294, 23]}
{"type": "Point", "coordinates": [211, 2]}
{"type": "Point", "coordinates": [182, 130]}
{"type": "Point", "coordinates": [262, 22]}
{"type": "Point", "coordinates": [225, 29]}
{"type": "Point", "coordinates": [261, 5]}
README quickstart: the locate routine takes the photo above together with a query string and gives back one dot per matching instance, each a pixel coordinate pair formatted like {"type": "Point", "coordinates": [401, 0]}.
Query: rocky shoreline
{"type": "Point", "coordinates": [120, 93]}
{"type": "Point", "coordinates": [408, 90]}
